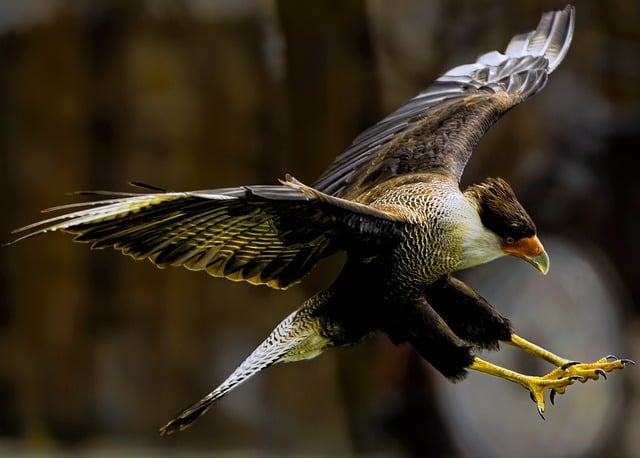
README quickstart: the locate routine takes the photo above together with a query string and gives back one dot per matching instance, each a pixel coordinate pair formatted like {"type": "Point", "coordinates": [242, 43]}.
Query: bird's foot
{"type": "Point", "coordinates": [586, 371]}
{"type": "Point", "coordinates": [555, 381]}
{"type": "Point", "coordinates": [552, 381]}
{"type": "Point", "coordinates": [593, 371]}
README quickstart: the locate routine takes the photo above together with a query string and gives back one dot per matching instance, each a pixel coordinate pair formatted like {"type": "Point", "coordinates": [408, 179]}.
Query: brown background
{"type": "Point", "coordinates": [97, 351]}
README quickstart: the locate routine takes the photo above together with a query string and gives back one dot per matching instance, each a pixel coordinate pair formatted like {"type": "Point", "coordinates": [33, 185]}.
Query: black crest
{"type": "Point", "coordinates": [500, 210]}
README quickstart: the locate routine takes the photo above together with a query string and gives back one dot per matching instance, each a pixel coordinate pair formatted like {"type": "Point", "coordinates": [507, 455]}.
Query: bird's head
{"type": "Point", "coordinates": [502, 214]}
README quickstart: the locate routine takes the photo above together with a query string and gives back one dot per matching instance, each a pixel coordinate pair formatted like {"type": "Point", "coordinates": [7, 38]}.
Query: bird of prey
{"type": "Point", "coordinates": [392, 201]}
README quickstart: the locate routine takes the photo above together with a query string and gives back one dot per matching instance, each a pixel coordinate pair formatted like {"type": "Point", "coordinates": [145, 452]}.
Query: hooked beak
{"type": "Point", "coordinates": [540, 262]}
{"type": "Point", "coordinates": [531, 250]}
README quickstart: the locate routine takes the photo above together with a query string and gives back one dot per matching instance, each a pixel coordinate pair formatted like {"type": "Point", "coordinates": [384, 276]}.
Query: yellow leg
{"type": "Point", "coordinates": [535, 384]}
{"type": "Point", "coordinates": [566, 367]}
{"type": "Point", "coordinates": [565, 373]}
{"type": "Point", "coordinates": [540, 352]}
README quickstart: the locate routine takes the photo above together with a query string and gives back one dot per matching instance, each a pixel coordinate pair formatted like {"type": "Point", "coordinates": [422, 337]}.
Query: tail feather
{"type": "Point", "coordinates": [286, 339]}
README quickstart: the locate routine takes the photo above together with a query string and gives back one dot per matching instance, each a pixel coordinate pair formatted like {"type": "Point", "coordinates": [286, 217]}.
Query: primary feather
{"type": "Point", "coordinates": [437, 130]}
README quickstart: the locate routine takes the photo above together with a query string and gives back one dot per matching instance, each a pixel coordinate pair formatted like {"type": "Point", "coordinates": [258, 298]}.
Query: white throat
{"type": "Point", "coordinates": [479, 244]}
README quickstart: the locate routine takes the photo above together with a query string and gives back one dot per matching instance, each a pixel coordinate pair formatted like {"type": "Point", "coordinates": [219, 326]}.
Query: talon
{"type": "Point", "coordinates": [626, 360]}
{"type": "Point", "coordinates": [565, 366]}
{"type": "Point", "coordinates": [601, 372]}
{"type": "Point", "coordinates": [552, 397]}
{"type": "Point", "coordinates": [611, 358]}
{"type": "Point", "coordinates": [541, 412]}
{"type": "Point", "coordinates": [580, 378]}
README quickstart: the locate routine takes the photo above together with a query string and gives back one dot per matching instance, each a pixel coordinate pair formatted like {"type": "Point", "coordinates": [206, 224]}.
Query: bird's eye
{"type": "Point", "coordinates": [509, 240]}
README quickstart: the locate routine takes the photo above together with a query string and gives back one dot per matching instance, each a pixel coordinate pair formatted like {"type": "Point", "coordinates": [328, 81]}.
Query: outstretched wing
{"type": "Point", "coordinates": [270, 235]}
{"type": "Point", "coordinates": [438, 130]}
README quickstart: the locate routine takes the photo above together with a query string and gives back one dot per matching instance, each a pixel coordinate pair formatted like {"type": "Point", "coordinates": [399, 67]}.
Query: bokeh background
{"type": "Point", "coordinates": [97, 351]}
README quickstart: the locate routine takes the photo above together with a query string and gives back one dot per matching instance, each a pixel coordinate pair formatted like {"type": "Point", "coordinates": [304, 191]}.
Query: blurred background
{"type": "Point", "coordinates": [97, 351]}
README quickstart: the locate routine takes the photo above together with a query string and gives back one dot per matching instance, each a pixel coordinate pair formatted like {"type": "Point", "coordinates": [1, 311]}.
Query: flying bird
{"type": "Point", "coordinates": [393, 202]}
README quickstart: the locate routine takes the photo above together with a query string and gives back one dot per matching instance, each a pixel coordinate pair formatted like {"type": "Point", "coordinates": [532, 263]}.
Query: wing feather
{"type": "Point", "coordinates": [270, 235]}
{"type": "Point", "coordinates": [437, 130]}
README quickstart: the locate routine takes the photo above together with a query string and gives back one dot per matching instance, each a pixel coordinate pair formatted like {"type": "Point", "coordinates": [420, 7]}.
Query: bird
{"type": "Point", "coordinates": [392, 201]}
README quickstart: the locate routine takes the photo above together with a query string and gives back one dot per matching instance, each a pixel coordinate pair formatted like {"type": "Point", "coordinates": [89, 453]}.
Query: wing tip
{"type": "Point", "coordinates": [569, 14]}
{"type": "Point", "coordinates": [551, 38]}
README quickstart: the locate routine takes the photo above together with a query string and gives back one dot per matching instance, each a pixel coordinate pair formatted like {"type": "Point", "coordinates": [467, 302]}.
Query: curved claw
{"type": "Point", "coordinates": [601, 372]}
{"type": "Point", "coordinates": [541, 412]}
{"type": "Point", "coordinates": [612, 358]}
{"type": "Point", "coordinates": [552, 397]}
{"type": "Point", "coordinates": [579, 378]}
{"type": "Point", "coordinates": [565, 366]}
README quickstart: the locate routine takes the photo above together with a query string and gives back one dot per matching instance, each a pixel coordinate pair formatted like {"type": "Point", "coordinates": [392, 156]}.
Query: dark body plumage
{"type": "Point", "coordinates": [392, 202]}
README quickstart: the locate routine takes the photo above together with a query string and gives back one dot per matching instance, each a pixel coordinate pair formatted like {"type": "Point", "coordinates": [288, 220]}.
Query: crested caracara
{"type": "Point", "coordinates": [392, 201]}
